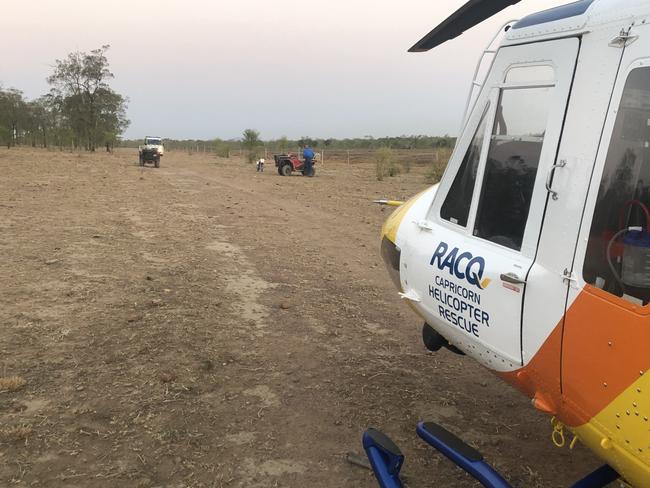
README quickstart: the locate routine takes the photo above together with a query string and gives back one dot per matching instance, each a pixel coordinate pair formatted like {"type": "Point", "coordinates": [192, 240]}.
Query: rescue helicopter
{"type": "Point", "coordinates": [532, 254]}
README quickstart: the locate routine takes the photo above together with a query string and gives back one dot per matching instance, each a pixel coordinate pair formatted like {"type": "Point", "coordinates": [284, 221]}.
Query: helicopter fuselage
{"type": "Point", "coordinates": [532, 255]}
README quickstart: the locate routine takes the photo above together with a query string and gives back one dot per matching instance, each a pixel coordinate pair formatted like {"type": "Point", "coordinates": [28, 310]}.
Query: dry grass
{"type": "Point", "coordinates": [15, 434]}
{"type": "Point", "coordinates": [12, 383]}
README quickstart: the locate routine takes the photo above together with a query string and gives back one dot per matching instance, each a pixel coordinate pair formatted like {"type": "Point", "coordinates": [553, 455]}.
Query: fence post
{"type": "Point", "coordinates": [348, 157]}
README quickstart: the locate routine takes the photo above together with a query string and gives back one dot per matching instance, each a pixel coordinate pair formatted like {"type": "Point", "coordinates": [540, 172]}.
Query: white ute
{"type": "Point", "coordinates": [152, 150]}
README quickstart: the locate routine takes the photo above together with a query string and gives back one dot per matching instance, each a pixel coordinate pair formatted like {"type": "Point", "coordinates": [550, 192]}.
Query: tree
{"type": "Point", "coordinates": [283, 144]}
{"type": "Point", "coordinates": [305, 141]}
{"type": "Point", "coordinates": [251, 141]}
{"type": "Point", "coordinates": [13, 115]}
{"type": "Point", "coordinates": [94, 112]}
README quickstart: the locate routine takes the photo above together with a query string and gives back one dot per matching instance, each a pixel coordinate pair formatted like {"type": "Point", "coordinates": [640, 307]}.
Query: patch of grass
{"type": "Point", "coordinates": [15, 434]}
{"type": "Point", "coordinates": [12, 383]}
{"type": "Point", "coordinates": [438, 165]}
{"type": "Point", "coordinates": [385, 163]}
{"type": "Point", "coordinates": [434, 173]}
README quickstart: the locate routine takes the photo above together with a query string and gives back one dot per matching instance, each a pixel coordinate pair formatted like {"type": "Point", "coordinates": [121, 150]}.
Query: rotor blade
{"type": "Point", "coordinates": [472, 13]}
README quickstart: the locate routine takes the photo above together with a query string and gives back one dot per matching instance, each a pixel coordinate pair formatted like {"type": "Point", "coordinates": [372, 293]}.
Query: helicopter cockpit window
{"type": "Point", "coordinates": [511, 166]}
{"type": "Point", "coordinates": [618, 251]}
{"type": "Point", "coordinates": [456, 206]}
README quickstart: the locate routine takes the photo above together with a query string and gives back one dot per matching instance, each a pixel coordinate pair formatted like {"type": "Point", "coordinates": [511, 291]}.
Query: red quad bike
{"type": "Point", "coordinates": [288, 163]}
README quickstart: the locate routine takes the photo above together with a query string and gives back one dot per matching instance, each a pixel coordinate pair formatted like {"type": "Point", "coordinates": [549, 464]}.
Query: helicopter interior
{"type": "Point", "coordinates": [623, 200]}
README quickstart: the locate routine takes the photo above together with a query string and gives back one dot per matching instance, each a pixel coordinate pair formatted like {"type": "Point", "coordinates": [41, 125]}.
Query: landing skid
{"type": "Point", "coordinates": [386, 459]}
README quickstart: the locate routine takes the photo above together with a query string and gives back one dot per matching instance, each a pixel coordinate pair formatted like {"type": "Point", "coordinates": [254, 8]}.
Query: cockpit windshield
{"type": "Point", "coordinates": [153, 141]}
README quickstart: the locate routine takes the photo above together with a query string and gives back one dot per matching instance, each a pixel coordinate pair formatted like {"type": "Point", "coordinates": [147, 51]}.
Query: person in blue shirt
{"type": "Point", "coordinates": [308, 155]}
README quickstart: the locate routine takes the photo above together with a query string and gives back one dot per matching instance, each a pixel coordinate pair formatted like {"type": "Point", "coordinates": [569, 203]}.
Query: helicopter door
{"type": "Point", "coordinates": [486, 217]}
{"type": "Point", "coordinates": [606, 330]}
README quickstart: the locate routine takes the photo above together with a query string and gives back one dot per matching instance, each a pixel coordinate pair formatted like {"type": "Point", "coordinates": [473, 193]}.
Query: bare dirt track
{"type": "Point", "coordinates": [202, 325]}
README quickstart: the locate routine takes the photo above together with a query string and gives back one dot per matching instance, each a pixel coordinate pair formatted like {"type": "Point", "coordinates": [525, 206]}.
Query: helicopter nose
{"type": "Point", "coordinates": [390, 252]}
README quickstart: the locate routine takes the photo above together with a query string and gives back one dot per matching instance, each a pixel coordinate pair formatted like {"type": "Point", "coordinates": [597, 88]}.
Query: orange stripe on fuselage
{"type": "Point", "coordinates": [604, 349]}
{"type": "Point", "coordinates": [606, 341]}
{"type": "Point", "coordinates": [602, 345]}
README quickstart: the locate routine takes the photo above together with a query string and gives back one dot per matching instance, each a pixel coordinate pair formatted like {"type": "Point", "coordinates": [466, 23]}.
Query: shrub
{"type": "Point", "coordinates": [385, 163]}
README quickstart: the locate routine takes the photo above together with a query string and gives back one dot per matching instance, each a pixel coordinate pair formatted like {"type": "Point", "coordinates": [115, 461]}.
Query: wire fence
{"type": "Point", "coordinates": [416, 157]}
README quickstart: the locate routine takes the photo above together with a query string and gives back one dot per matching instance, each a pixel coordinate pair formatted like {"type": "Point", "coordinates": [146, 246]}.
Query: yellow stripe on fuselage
{"type": "Point", "coordinates": [391, 225]}
{"type": "Point", "coordinates": [620, 433]}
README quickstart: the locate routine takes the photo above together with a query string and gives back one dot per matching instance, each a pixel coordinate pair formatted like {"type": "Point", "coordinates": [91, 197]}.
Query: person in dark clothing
{"type": "Point", "coordinates": [308, 155]}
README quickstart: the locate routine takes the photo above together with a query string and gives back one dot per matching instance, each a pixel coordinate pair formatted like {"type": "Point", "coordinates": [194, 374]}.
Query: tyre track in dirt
{"type": "Point", "coordinates": [201, 325]}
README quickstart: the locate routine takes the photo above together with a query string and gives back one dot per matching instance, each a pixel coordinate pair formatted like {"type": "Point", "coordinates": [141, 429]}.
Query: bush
{"type": "Point", "coordinates": [438, 165]}
{"type": "Point", "coordinates": [385, 163]}
{"type": "Point", "coordinates": [434, 174]}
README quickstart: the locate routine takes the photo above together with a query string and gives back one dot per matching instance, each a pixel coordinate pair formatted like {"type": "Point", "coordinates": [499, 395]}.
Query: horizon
{"type": "Point", "coordinates": [257, 65]}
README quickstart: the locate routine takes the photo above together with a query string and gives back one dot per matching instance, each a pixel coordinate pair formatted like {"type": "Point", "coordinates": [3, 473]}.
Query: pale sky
{"type": "Point", "coordinates": [212, 68]}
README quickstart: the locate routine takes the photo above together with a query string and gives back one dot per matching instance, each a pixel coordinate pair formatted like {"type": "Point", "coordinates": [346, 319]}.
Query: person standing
{"type": "Point", "coordinates": [308, 155]}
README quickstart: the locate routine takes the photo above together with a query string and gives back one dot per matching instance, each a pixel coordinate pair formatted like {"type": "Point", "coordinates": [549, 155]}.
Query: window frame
{"type": "Point", "coordinates": [488, 99]}
{"type": "Point", "coordinates": [487, 111]}
{"type": "Point", "coordinates": [486, 115]}
{"type": "Point", "coordinates": [497, 96]}
{"type": "Point", "coordinates": [589, 211]}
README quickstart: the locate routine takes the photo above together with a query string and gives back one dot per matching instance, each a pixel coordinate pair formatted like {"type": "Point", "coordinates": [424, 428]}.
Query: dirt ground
{"type": "Point", "coordinates": [202, 325]}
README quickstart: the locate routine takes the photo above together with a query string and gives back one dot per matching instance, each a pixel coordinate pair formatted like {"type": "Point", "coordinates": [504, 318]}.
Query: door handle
{"type": "Point", "coordinates": [512, 278]}
{"type": "Point", "coordinates": [549, 178]}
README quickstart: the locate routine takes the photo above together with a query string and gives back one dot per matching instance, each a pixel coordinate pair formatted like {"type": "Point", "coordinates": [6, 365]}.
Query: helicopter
{"type": "Point", "coordinates": [532, 253]}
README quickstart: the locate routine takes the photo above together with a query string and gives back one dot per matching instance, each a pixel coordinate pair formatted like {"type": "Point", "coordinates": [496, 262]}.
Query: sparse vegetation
{"type": "Point", "coordinates": [423, 145]}
{"type": "Point", "coordinates": [385, 163]}
{"type": "Point", "coordinates": [438, 165]}
{"type": "Point", "coordinates": [15, 434]}
{"type": "Point", "coordinates": [12, 383]}
{"type": "Point", "coordinates": [282, 144]}
{"type": "Point", "coordinates": [221, 148]}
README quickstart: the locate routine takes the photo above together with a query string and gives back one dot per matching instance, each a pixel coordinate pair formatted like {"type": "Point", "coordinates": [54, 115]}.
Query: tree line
{"type": "Point", "coordinates": [81, 110]}
{"type": "Point", "coordinates": [250, 138]}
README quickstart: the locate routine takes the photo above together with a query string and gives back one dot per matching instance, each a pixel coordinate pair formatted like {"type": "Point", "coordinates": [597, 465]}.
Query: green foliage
{"type": "Point", "coordinates": [5, 136]}
{"type": "Point", "coordinates": [306, 141]}
{"type": "Point", "coordinates": [426, 143]}
{"type": "Point", "coordinates": [438, 165]}
{"type": "Point", "coordinates": [80, 92]}
{"type": "Point", "coordinates": [80, 110]}
{"type": "Point", "coordinates": [282, 144]}
{"type": "Point", "coordinates": [434, 174]}
{"type": "Point", "coordinates": [221, 148]}
{"type": "Point", "coordinates": [385, 163]}
{"type": "Point", "coordinates": [251, 141]}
